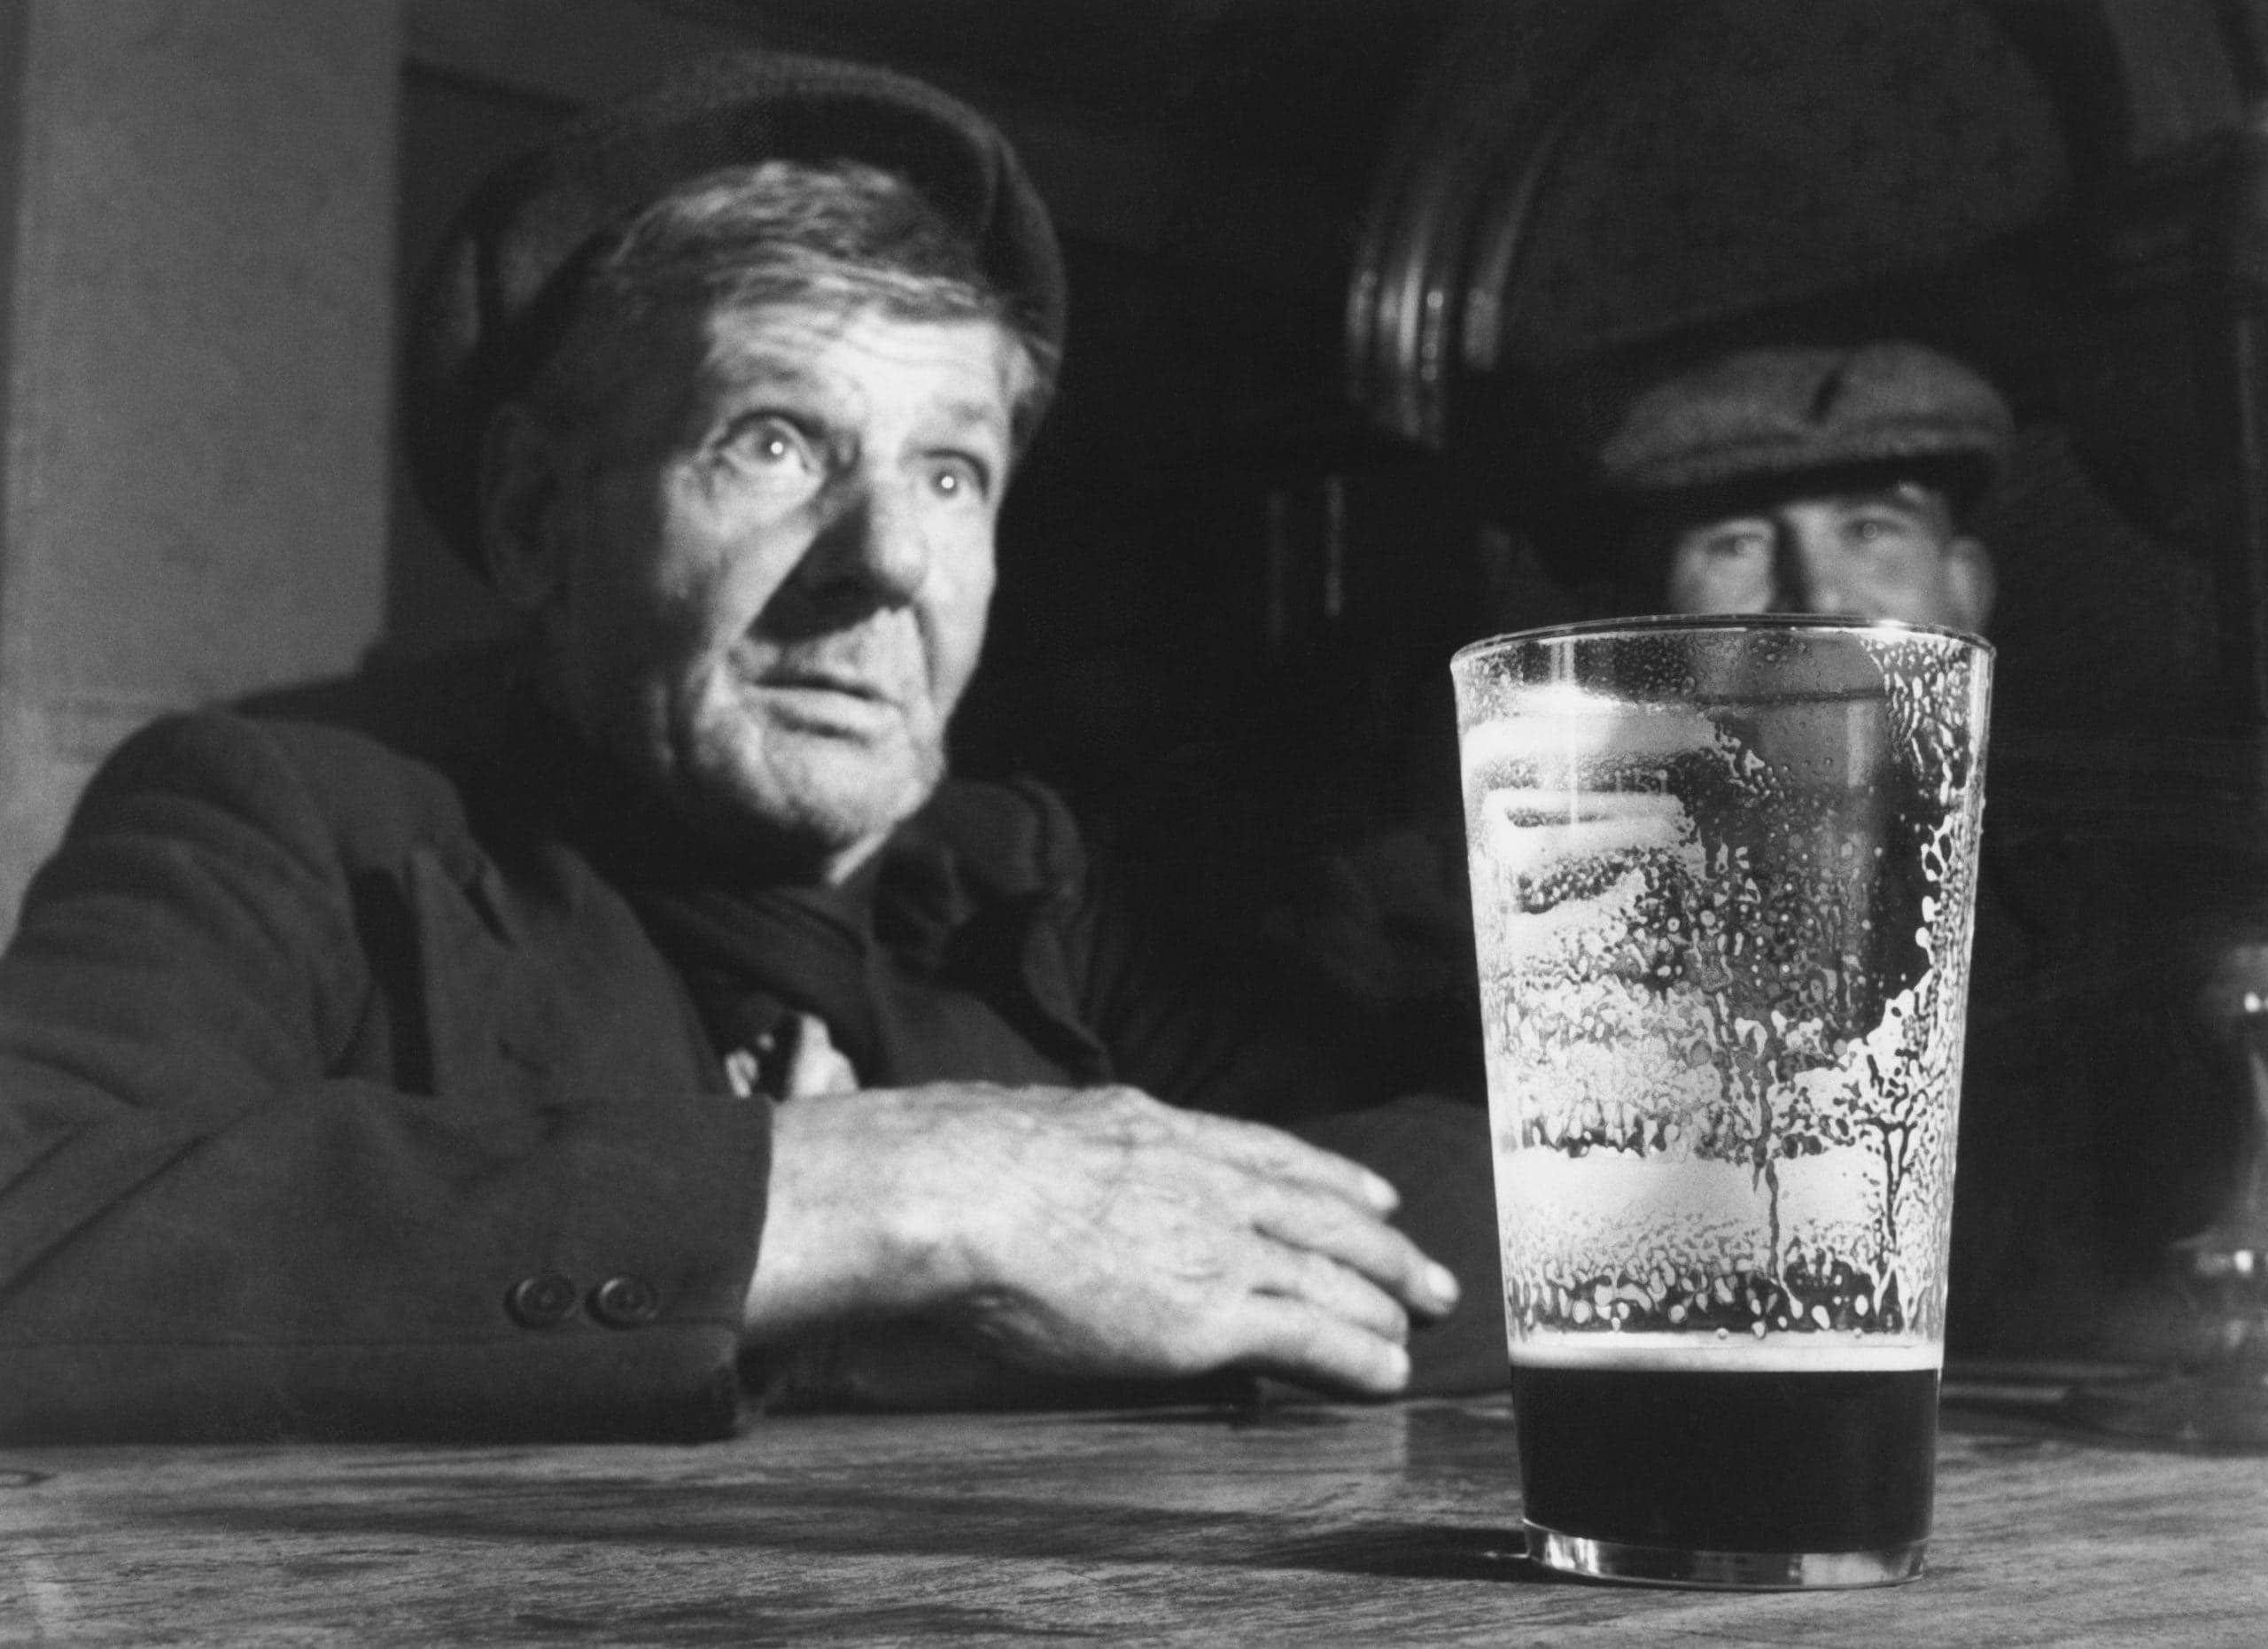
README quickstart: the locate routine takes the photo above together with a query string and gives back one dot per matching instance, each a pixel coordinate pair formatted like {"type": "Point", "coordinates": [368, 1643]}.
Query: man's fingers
{"type": "Point", "coordinates": [1300, 1274]}
{"type": "Point", "coordinates": [1292, 1338]}
{"type": "Point", "coordinates": [1346, 1222]}
{"type": "Point", "coordinates": [1333, 1230]}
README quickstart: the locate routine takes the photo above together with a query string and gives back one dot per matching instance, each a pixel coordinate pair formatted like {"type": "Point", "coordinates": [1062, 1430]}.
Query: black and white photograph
{"type": "Point", "coordinates": [1152, 821]}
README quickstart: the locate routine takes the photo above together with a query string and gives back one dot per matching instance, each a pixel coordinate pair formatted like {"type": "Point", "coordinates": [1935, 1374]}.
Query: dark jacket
{"type": "Point", "coordinates": [340, 1095]}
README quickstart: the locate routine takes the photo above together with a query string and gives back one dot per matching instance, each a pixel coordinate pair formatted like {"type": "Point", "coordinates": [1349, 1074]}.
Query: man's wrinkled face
{"type": "Point", "coordinates": [778, 561]}
{"type": "Point", "coordinates": [1890, 552]}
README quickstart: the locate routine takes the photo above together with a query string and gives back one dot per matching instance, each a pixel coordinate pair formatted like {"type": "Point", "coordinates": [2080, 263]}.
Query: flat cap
{"type": "Point", "coordinates": [490, 307]}
{"type": "Point", "coordinates": [1760, 414]}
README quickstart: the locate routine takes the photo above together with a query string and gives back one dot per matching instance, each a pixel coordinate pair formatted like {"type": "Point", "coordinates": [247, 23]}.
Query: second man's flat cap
{"type": "Point", "coordinates": [1758, 414]}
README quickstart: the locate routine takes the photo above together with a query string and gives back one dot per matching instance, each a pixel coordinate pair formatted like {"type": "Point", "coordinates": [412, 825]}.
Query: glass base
{"type": "Point", "coordinates": [1726, 1571]}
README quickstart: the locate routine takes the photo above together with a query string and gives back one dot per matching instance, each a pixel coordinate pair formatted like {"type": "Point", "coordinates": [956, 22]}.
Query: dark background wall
{"type": "Point", "coordinates": [1231, 586]}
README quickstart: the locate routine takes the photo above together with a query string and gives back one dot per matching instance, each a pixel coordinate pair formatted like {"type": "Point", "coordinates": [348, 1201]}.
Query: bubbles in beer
{"type": "Point", "coordinates": [1723, 945]}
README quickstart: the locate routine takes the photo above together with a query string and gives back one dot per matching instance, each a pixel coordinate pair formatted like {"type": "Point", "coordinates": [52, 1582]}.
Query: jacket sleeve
{"type": "Point", "coordinates": [1181, 1006]}
{"type": "Point", "coordinates": [223, 1215]}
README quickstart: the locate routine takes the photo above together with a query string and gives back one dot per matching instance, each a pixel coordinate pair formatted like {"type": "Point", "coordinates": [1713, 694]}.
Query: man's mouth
{"type": "Point", "coordinates": [827, 682]}
{"type": "Point", "coordinates": [832, 702]}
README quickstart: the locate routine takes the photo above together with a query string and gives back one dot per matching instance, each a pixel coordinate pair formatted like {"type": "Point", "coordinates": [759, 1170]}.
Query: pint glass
{"type": "Point", "coordinates": [1723, 873]}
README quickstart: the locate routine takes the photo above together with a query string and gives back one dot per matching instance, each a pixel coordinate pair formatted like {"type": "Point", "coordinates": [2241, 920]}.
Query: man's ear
{"type": "Point", "coordinates": [1971, 582]}
{"type": "Point", "coordinates": [521, 496]}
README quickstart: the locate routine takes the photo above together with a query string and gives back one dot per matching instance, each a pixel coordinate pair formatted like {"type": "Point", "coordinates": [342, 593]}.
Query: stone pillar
{"type": "Point", "coordinates": [196, 270]}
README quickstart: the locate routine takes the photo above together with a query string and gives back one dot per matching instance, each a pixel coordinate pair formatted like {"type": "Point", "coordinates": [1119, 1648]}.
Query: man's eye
{"type": "Point", "coordinates": [959, 478]}
{"type": "Point", "coordinates": [769, 442]}
{"type": "Point", "coordinates": [1737, 545]}
{"type": "Point", "coordinates": [1876, 530]}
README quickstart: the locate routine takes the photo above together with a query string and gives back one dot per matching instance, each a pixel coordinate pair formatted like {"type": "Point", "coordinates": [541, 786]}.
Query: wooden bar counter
{"type": "Point", "coordinates": [1287, 1523]}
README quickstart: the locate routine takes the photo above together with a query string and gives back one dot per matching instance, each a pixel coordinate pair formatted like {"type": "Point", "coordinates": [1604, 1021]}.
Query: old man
{"type": "Point", "coordinates": [666, 1025]}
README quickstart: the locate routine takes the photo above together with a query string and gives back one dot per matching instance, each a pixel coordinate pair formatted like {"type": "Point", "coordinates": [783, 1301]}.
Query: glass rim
{"type": "Point", "coordinates": [1656, 623]}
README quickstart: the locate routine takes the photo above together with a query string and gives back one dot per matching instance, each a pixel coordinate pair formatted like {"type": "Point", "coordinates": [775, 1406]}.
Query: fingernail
{"type": "Point", "coordinates": [1381, 1194]}
{"type": "Point", "coordinates": [1397, 1362]}
{"type": "Point", "coordinates": [1441, 1283]}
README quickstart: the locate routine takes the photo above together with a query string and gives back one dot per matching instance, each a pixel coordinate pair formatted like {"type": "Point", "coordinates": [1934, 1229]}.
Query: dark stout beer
{"type": "Point", "coordinates": [1768, 1462]}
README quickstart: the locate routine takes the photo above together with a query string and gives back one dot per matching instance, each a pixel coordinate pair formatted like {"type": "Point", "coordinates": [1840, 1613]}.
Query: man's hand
{"type": "Point", "coordinates": [1093, 1233]}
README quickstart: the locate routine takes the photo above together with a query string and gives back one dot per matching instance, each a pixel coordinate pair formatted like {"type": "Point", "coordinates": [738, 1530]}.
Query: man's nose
{"type": "Point", "coordinates": [872, 549]}
{"type": "Point", "coordinates": [1808, 576]}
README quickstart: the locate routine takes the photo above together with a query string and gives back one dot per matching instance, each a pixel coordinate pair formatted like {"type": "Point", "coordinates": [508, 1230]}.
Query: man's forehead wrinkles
{"type": "Point", "coordinates": [815, 350]}
{"type": "Point", "coordinates": [985, 411]}
{"type": "Point", "coordinates": [1715, 526]}
{"type": "Point", "coordinates": [784, 363]}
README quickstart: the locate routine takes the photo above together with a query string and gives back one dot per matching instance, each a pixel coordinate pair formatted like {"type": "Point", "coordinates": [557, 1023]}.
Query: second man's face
{"type": "Point", "coordinates": [777, 558]}
{"type": "Point", "coordinates": [1887, 553]}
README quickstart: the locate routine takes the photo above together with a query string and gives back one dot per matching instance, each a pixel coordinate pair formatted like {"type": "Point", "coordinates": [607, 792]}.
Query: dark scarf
{"type": "Point", "coordinates": [930, 964]}
{"type": "Point", "coordinates": [751, 955]}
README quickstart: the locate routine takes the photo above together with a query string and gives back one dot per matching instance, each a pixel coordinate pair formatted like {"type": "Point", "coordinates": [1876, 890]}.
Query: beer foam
{"type": "Point", "coordinates": [1730, 1353]}
{"type": "Point", "coordinates": [1587, 1211]}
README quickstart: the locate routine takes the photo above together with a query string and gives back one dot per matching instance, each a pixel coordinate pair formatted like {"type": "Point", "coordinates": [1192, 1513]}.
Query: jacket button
{"type": "Point", "coordinates": [625, 1303]}
{"type": "Point", "coordinates": [543, 1301]}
